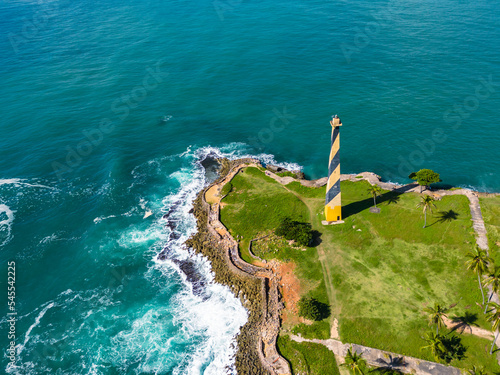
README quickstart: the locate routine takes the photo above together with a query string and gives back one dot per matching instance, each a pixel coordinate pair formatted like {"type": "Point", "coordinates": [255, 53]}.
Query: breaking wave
{"type": "Point", "coordinates": [156, 308]}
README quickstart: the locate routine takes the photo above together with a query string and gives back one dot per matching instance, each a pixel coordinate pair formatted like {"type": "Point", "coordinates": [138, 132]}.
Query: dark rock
{"type": "Point", "coordinates": [300, 175]}
{"type": "Point", "coordinates": [212, 166]}
{"type": "Point", "coordinates": [193, 276]}
{"type": "Point", "coordinates": [175, 236]}
{"type": "Point", "coordinates": [273, 168]}
{"type": "Point", "coordinates": [171, 224]}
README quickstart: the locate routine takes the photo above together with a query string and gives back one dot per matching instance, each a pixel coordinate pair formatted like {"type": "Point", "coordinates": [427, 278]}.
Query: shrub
{"type": "Point", "coordinates": [293, 230]}
{"type": "Point", "coordinates": [454, 349]}
{"type": "Point", "coordinates": [312, 309]}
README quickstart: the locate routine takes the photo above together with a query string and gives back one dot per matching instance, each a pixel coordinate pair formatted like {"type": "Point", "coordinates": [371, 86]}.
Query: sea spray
{"type": "Point", "coordinates": [6, 220]}
{"type": "Point", "coordinates": [124, 309]}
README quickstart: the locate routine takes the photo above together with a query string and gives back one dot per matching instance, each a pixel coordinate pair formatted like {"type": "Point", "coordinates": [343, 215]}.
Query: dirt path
{"type": "Point", "coordinates": [330, 291]}
{"type": "Point", "coordinates": [290, 290]}
{"type": "Point", "coordinates": [468, 329]}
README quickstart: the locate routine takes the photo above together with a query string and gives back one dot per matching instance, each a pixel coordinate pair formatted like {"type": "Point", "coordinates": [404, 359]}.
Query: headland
{"type": "Point", "coordinates": [359, 269]}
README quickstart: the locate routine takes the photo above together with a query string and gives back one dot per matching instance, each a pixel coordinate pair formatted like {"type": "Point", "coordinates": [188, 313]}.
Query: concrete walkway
{"type": "Point", "coordinates": [477, 216]}
{"type": "Point", "coordinates": [381, 358]}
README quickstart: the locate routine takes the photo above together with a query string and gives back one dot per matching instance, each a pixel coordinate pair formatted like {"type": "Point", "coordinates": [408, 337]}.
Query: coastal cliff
{"type": "Point", "coordinates": [255, 286]}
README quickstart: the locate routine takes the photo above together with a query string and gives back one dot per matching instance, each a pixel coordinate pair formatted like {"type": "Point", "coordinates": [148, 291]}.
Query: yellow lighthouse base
{"type": "Point", "coordinates": [333, 215]}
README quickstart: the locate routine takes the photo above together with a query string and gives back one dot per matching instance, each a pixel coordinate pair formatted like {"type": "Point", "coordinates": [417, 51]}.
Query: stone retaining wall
{"type": "Point", "coordinates": [270, 323]}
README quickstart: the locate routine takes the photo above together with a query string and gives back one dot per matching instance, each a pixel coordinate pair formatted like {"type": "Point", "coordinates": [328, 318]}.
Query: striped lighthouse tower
{"type": "Point", "coordinates": [333, 209]}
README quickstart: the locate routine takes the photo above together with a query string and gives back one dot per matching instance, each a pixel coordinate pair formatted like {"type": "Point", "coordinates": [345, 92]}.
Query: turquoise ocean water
{"type": "Point", "coordinates": [109, 107]}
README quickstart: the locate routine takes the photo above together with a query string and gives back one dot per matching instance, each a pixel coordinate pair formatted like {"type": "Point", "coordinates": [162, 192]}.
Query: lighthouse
{"type": "Point", "coordinates": [333, 209]}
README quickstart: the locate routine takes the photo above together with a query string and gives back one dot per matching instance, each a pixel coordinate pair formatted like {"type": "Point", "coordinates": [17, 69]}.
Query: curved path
{"type": "Point", "coordinates": [270, 323]}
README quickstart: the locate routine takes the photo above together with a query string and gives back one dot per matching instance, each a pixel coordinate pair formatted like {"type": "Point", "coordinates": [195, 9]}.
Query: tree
{"type": "Point", "coordinates": [436, 314]}
{"type": "Point", "coordinates": [427, 203]}
{"type": "Point", "coordinates": [375, 191]}
{"type": "Point", "coordinates": [493, 280]}
{"type": "Point", "coordinates": [425, 177]}
{"type": "Point", "coordinates": [354, 361]}
{"type": "Point", "coordinates": [478, 262]}
{"type": "Point", "coordinates": [493, 316]}
{"type": "Point", "coordinates": [312, 309]}
{"type": "Point", "coordinates": [435, 344]}
{"type": "Point", "coordinates": [446, 348]}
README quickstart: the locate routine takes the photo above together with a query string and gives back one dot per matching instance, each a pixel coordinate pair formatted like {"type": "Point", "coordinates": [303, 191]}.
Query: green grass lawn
{"type": "Point", "coordinates": [377, 271]}
{"type": "Point", "coordinates": [308, 358]}
{"type": "Point", "coordinates": [262, 202]}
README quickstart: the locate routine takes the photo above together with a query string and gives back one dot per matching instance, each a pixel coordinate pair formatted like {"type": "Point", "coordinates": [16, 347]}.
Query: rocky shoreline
{"type": "Point", "coordinates": [257, 287]}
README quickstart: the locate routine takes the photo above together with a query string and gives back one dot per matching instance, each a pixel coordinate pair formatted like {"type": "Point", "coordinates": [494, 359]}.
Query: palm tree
{"type": "Point", "coordinates": [354, 361]}
{"type": "Point", "coordinates": [478, 262]}
{"type": "Point", "coordinates": [493, 316]}
{"type": "Point", "coordinates": [375, 191]}
{"type": "Point", "coordinates": [493, 279]}
{"type": "Point", "coordinates": [436, 314]}
{"type": "Point", "coordinates": [435, 344]}
{"type": "Point", "coordinates": [427, 203]}
{"type": "Point", "coordinates": [476, 370]}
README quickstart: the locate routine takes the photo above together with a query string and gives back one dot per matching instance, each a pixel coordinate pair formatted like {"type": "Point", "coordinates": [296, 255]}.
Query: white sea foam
{"type": "Point", "coordinates": [101, 218]}
{"type": "Point", "coordinates": [48, 239]}
{"type": "Point", "coordinates": [237, 150]}
{"type": "Point", "coordinates": [135, 236]}
{"type": "Point", "coordinates": [132, 211]}
{"type": "Point", "coordinates": [219, 319]}
{"type": "Point", "coordinates": [13, 191]}
{"type": "Point", "coordinates": [216, 317]}
{"type": "Point", "coordinates": [6, 224]}
{"type": "Point", "coordinates": [185, 334]}
{"type": "Point", "coordinates": [56, 340]}
{"type": "Point", "coordinates": [27, 336]}
{"type": "Point", "coordinates": [18, 182]}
